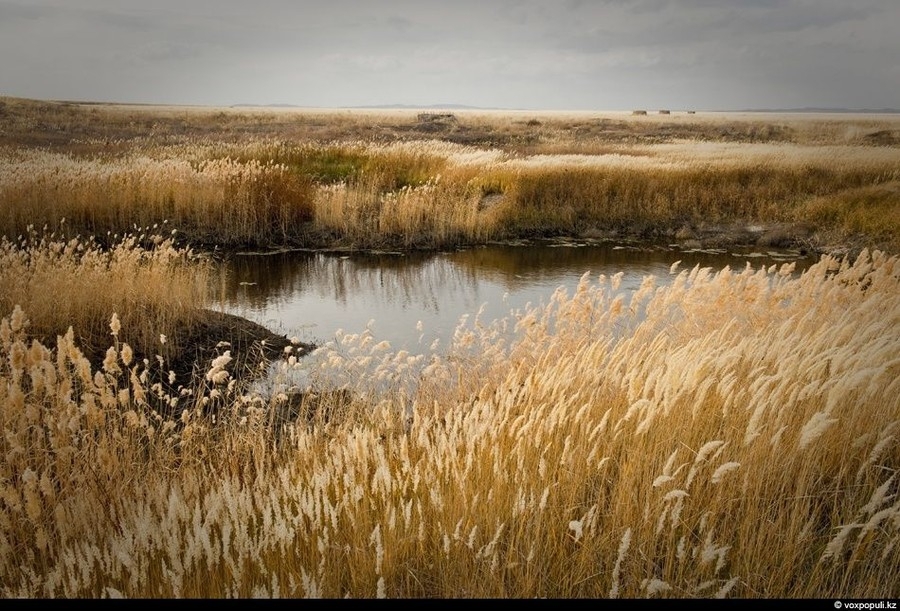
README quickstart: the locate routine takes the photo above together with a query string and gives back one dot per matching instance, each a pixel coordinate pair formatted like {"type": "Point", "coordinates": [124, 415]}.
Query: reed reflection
{"type": "Point", "coordinates": [312, 295]}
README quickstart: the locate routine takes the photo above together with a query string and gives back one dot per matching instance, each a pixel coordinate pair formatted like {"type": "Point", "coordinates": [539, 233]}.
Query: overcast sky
{"type": "Point", "coordinates": [529, 54]}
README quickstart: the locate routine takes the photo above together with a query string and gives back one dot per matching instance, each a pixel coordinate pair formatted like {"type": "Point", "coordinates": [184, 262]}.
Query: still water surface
{"type": "Point", "coordinates": [413, 299]}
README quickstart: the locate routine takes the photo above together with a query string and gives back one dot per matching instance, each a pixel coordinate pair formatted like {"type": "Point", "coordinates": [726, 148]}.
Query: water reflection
{"type": "Point", "coordinates": [312, 295]}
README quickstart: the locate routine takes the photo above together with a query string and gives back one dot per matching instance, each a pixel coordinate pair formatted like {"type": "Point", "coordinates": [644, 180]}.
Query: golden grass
{"type": "Point", "coordinates": [35, 122]}
{"type": "Point", "coordinates": [154, 288]}
{"type": "Point", "coordinates": [437, 194]}
{"type": "Point", "coordinates": [219, 201]}
{"type": "Point", "coordinates": [869, 210]}
{"type": "Point", "coordinates": [377, 178]}
{"type": "Point", "coordinates": [730, 434]}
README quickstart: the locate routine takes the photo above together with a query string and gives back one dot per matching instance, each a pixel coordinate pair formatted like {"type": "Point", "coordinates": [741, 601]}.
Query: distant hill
{"type": "Point", "coordinates": [448, 106]}
{"type": "Point", "coordinates": [379, 106]}
{"type": "Point", "coordinates": [879, 111]}
{"type": "Point", "coordinates": [420, 107]}
{"type": "Point", "coordinates": [451, 106]}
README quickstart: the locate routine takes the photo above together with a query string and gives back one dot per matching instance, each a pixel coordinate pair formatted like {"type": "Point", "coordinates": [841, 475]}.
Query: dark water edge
{"type": "Point", "coordinates": [412, 299]}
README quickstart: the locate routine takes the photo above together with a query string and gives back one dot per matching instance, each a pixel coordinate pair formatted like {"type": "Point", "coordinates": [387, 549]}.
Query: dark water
{"type": "Point", "coordinates": [413, 299]}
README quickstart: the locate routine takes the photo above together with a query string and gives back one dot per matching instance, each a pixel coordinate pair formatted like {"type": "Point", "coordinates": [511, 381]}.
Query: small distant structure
{"type": "Point", "coordinates": [639, 112]}
{"type": "Point", "coordinates": [665, 112]}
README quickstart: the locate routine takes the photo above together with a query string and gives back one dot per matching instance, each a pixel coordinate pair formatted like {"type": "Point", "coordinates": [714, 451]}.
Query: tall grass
{"type": "Point", "coordinates": [213, 201]}
{"type": "Point", "coordinates": [434, 194]}
{"type": "Point", "coordinates": [153, 286]}
{"type": "Point", "coordinates": [867, 210]}
{"type": "Point", "coordinates": [731, 434]}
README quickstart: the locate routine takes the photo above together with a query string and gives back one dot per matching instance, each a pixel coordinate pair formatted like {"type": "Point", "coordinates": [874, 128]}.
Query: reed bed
{"type": "Point", "coordinates": [437, 194]}
{"type": "Point", "coordinates": [731, 434]}
{"type": "Point", "coordinates": [214, 201]}
{"type": "Point", "coordinates": [75, 284]}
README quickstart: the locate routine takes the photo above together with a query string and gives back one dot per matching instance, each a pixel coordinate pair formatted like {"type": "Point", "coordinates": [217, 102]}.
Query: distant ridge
{"type": "Point", "coordinates": [420, 107]}
{"type": "Point", "coordinates": [879, 111]}
{"type": "Point", "coordinates": [378, 106]}
{"type": "Point", "coordinates": [448, 106]}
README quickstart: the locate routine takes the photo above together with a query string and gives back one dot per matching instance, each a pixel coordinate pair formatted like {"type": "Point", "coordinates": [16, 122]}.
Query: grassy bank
{"type": "Point", "coordinates": [260, 178]}
{"type": "Point", "coordinates": [733, 434]}
{"type": "Point", "coordinates": [153, 286]}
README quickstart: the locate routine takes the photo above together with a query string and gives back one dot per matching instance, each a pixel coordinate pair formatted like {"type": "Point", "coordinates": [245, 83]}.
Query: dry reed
{"type": "Point", "coordinates": [375, 179]}
{"type": "Point", "coordinates": [154, 287]}
{"type": "Point", "coordinates": [729, 434]}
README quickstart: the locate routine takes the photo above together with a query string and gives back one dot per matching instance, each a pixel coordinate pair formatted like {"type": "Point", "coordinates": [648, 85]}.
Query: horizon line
{"type": "Point", "coordinates": [458, 106]}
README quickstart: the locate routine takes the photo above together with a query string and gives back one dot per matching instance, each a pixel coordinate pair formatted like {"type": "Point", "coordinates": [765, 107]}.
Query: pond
{"type": "Point", "coordinates": [416, 300]}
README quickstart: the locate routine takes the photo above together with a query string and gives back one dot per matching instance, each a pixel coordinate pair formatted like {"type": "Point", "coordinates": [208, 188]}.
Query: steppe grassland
{"type": "Point", "coordinates": [731, 434]}
{"type": "Point", "coordinates": [375, 178]}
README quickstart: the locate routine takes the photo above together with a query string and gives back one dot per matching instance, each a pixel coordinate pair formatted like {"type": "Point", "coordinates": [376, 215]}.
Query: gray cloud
{"type": "Point", "coordinates": [508, 53]}
{"type": "Point", "coordinates": [12, 14]}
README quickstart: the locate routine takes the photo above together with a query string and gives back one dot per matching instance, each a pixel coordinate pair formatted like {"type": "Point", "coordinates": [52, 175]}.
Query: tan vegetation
{"type": "Point", "coordinates": [366, 179]}
{"type": "Point", "coordinates": [731, 434]}
{"type": "Point", "coordinates": [154, 287]}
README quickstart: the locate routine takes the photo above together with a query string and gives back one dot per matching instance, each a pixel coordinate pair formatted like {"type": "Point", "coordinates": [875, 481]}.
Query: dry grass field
{"type": "Point", "coordinates": [237, 177]}
{"type": "Point", "coordinates": [722, 434]}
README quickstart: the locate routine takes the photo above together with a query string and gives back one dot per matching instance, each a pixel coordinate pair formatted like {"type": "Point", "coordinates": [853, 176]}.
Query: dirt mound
{"type": "Point", "coordinates": [193, 346]}
{"type": "Point", "coordinates": [249, 343]}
